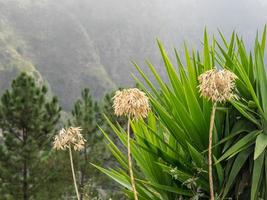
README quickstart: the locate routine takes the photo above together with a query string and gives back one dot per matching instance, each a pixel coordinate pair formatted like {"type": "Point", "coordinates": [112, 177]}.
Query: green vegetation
{"type": "Point", "coordinates": [29, 168]}
{"type": "Point", "coordinates": [87, 115]}
{"type": "Point", "coordinates": [170, 147]}
{"type": "Point", "coordinates": [28, 121]}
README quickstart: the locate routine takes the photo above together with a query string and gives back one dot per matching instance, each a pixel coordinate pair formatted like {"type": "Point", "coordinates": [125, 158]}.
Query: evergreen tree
{"type": "Point", "coordinates": [86, 114]}
{"type": "Point", "coordinates": [27, 122]}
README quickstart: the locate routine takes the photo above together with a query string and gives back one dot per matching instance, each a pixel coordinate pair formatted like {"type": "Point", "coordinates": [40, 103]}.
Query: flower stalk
{"type": "Point", "coordinates": [73, 174]}
{"type": "Point", "coordinates": [212, 119]}
{"type": "Point", "coordinates": [217, 86]}
{"type": "Point", "coordinates": [67, 139]}
{"type": "Point", "coordinates": [131, 103]}
{"type": "Point", "coordinates": [130, 159]}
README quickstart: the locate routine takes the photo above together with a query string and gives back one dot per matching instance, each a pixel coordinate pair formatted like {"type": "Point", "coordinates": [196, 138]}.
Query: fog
{"type": "Point", "coordinates": [173, 21]}
{"type": "Point", "coordinates": [93, 42]}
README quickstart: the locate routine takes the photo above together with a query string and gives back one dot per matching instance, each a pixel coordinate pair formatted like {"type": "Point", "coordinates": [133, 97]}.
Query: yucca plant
{"type": "Point", "coordinates": [246, 152]}
{"type": "Point", "coordinates": [170, 147]}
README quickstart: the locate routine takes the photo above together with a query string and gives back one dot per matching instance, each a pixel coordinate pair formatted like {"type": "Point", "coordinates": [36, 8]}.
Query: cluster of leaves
{"type": "Point", "coordinates": [170, 147]}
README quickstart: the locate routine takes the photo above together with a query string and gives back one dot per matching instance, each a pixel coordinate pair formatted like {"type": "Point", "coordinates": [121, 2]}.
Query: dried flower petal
{"type": "Point", "coordinates": [131, 102]}
{"type": "Point", "coordinates": [69, 137]}
{"type": "Point", "coordinates": [217, 85]}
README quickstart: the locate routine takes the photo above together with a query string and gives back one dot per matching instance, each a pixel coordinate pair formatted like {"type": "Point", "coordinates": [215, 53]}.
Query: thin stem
{"type": "Point", "coordinates": [130, 160]}
{"type": "Point", "coordinates": [73, 174]}
{"type": "Point", "coordinates": [212, 117]}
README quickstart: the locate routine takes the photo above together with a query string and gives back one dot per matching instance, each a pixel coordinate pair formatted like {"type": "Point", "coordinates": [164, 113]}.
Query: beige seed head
{"type": "Point", "coordinates": [131, 102]}
{"type": "Point", "coordinates": [69, 137]}
{"type": "Point", "coordinates": [217, 85]}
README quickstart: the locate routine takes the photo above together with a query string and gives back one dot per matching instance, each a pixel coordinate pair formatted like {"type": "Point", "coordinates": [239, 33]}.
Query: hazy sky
{"type": "Point", "coordinates": [176, 20]}
{"type": "Point", "coordinates": [132, 26]}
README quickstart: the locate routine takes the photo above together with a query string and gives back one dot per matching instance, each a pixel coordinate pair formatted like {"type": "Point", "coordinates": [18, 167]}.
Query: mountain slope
{"type": "Point", "coordinates": [89, 43]}
{"type": "Point", "coordinates": [12, 58]}
{"type": "Point", "coordinates": [59, 47]}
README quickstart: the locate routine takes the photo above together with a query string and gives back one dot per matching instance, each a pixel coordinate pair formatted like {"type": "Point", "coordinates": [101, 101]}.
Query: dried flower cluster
{"type": "Point", "coordinates": [217, 85]}
{"type": "Point", "coordinates": [131, 102]}
{"type": "Point", "coordinates": [69, 137]}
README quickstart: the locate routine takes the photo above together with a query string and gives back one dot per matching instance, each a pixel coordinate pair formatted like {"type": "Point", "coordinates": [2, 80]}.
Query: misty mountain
{"type": "Point", "coordinates": [75, 44]}
{"type": "Point", "coordinates": [58, 47]}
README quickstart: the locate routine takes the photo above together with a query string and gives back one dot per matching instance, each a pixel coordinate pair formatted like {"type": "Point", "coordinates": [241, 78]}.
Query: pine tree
{"type": "Point", "coordinates": [27, 122]}
{"type": "Point", "coordinates": [86, 114]}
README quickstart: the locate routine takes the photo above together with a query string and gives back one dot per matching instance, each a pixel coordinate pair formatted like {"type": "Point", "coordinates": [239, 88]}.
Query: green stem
{"type": "Point", "coordinates": [212, 118]}
{"type": "Point", "coordinates": [73, 174]}
{"type": "Point", "coordinates": [130, 160]}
